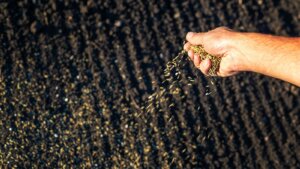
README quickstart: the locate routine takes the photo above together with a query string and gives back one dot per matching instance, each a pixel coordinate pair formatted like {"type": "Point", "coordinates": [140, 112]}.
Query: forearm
{"type": "Point", "coordinates": [274, 56]}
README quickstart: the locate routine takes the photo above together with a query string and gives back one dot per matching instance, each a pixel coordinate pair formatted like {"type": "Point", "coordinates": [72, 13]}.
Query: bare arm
{"type": "Point", "coordinates": [274, 56]}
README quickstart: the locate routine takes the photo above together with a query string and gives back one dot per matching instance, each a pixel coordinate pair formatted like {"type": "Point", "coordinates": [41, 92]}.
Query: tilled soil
{"type": "Point", "coordinates": [82, 85]}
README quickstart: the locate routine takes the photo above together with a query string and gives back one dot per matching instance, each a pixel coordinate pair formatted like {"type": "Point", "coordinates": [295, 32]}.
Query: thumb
{"type": "Point", "coordinates": [195, 38]}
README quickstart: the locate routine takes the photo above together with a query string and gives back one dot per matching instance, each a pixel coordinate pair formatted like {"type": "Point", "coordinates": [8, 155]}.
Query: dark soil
{"type": "Point", "coordinates": [77, 82]}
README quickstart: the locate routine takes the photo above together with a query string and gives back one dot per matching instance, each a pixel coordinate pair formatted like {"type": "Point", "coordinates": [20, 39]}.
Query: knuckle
{"type": "Point", "coordinates": [223, 28]}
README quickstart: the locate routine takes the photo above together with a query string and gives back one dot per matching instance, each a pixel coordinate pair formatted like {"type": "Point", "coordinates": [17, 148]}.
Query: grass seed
{"type": "Point", "coordinates": [215, 61]}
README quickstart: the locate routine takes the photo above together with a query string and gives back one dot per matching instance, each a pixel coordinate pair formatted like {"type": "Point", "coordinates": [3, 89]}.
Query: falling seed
{"type": "Point", "coordinates": [177, 15]}
{"type": "Point", "coordinates": [147, 149]}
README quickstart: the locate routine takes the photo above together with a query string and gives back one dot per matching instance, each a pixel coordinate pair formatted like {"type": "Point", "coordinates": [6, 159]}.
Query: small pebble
{"type": "Point", "coordinates": [118, 23]}
{"type": "Point", "coordinates": [99, 24]}
{"type": "Point", "coordinates": [266, 138]}
{"type": "Point", "coordinates": [177, 15]}
{"type": "Point", "coordinates": [161, 55]}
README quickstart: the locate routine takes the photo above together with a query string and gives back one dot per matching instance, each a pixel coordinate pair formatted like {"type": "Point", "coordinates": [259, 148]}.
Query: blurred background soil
{"type": "Point", "coordinates": [77, 80]}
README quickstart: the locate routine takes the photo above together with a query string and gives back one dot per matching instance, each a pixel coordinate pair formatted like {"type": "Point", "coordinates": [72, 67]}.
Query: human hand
{"type": "Point", "coordinates": [218, 42]}
{"type": "Point", "coordinates": [274, 56]}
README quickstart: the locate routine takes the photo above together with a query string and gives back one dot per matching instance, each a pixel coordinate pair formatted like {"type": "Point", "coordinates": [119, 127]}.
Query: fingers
{"type": "Point", "coordinates": [187, 46]}
{"type": "Point", "coordinates": [216, 42]}
{"type": "Point", "coordinates": [195, 38]}
{"type": "Point", "coordinates": [204, 66]}
{"type": "Point", "coordinates": [191, 54]}
{"type": "Point", "coordinates": [197, 60]}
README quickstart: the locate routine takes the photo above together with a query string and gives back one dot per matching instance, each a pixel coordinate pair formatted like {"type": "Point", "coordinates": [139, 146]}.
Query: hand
{"type": "Point", "coordinates": [217, 42]}
{"type": "Point", "coordinates": [275, 56]}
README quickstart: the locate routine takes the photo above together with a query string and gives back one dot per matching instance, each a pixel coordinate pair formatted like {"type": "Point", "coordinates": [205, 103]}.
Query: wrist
{"type": "Point", "coordinates": [255, 51]}
{"type": "Point", "coordinates": [239, 46]}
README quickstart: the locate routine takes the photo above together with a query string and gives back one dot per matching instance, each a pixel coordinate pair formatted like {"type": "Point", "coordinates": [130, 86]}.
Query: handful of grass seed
{"type": "Point", "coordinates": [215, 61]}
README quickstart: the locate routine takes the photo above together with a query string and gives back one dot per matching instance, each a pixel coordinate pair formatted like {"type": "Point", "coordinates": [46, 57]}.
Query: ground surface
{"type": "Point", "coordinates": [81, 85]}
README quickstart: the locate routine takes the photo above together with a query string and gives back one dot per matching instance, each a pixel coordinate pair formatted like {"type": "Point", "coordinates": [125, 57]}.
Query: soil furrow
{"type": "Point", "coordinates": [82, 85]}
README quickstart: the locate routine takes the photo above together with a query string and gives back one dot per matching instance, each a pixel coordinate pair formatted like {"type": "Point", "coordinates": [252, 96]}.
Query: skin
{"type": "Point", "coordinates": [274, 56]}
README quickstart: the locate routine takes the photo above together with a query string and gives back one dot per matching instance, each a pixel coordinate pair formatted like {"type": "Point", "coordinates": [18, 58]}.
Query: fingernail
{"type": "Point", "coordinates": [185, 47]}
{"type": "Point", "coordinates": [206, 63]}
{"type": "Point", "coordinates": [190, 53]}
{"type": "Point", "coordinates": [196, 55]}
{"type": "Point", "coordinates": [189, 35]}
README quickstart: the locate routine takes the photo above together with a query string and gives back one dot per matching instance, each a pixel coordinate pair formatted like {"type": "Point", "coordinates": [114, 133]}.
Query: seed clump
{"type": "Point", "coordinates": [215, 61]}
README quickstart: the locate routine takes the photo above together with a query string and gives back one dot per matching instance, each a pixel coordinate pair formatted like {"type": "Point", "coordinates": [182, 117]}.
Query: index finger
{"type": "Point", "coordinates": [195, 38]}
